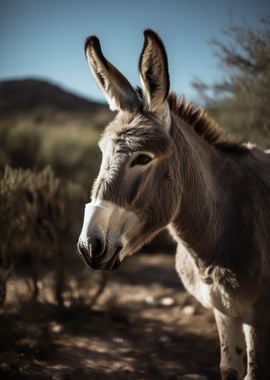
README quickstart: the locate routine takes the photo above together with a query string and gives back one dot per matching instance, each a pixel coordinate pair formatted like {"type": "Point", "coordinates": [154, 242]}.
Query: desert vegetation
{"type": "Point", "coordinates": [240, 101]}
{"type": "Point", "coordinates": [48, 160]}
{"type": "Point", "coordinates": [37, 226]}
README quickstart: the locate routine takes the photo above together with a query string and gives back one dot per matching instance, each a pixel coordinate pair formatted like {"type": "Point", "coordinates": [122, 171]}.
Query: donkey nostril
{"type": "Point", "coordinates": [96, 247]}
{"type": "Point", "coordinates": [83, 250]}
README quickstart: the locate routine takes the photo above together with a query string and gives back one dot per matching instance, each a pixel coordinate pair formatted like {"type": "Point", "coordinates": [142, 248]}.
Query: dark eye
{"type": "Point", "coordinates": [141, 159]}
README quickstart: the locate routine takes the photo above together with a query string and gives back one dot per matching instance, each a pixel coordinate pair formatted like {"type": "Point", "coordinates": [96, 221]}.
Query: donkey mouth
{"type": "Point", "coordinates": [102, 263]}
{"type": "Point", "coordinates": [107, 265]}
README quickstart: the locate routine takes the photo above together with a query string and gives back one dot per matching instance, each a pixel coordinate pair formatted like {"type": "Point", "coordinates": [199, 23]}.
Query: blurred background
{"type": "Point", "coordinates": [51, 116]}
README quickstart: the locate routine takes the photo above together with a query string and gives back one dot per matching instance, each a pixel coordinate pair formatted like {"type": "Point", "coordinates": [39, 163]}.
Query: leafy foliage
{"type": "Point", "coordinates": [71, 150]}
{"type": "Point", "coordinates": [240, 102]}
{"type": "Point", "coordinates": [37, 222]}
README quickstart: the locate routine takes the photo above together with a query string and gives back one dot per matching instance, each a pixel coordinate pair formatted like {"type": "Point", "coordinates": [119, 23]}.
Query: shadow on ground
{"type": "Point", "coordinates": [143, 326]}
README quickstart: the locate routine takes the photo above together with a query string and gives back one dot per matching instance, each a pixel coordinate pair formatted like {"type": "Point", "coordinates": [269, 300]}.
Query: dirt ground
{"type": "Point", "coordinates": [142, 326]}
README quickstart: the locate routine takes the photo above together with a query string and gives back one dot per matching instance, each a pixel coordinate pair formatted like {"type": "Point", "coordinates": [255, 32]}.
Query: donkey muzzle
{"type": "Point", "coordinates": [96, 256]}
{"type": "Point", "coordinates": [103, 234]}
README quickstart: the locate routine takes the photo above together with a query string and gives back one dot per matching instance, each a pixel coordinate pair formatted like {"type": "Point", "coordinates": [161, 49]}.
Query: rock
{"type": "Point", "coordinates": [149, 300]}
{"type": "Point", "coordinates": [167, 301]}
{"type": "Point", "coordinates": [188, 310]}
{"type": "Point", "coordinates": [56, 327]}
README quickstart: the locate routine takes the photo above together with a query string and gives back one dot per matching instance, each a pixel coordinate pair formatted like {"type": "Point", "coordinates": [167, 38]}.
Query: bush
{"type": "Point", "coordinates": [240, 102]}
{"type": "Point", "coordinates": [39, 216]}
{"type": "Point", "coordinates": [70, 150]}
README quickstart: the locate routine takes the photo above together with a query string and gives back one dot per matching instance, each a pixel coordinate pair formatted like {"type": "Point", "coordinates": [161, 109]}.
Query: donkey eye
{"type": "Point", "coordinates": [142, 159]}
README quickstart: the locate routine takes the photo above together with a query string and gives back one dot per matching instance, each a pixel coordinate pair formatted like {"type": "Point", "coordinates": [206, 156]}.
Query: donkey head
{"type": "Point", "coordinates": [134, 195]}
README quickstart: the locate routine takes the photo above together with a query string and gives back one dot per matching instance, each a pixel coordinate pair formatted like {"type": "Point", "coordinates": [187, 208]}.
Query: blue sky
{"type": "Point", "coordinates": [45, 38]}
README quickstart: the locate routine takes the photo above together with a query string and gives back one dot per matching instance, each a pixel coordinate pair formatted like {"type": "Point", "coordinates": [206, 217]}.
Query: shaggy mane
{"type": "Point", "coordinates": [204, 125]}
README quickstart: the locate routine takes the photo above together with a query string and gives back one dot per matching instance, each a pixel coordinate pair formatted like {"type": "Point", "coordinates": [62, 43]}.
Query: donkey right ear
{"type": "Point", "coordinates": [153, 66]}
{"type": "Point", "coordinates": [116, 88]}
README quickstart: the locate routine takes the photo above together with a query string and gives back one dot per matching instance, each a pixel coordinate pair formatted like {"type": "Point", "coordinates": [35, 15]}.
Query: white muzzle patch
{"type": "Point", "coordinates": [110, 222]}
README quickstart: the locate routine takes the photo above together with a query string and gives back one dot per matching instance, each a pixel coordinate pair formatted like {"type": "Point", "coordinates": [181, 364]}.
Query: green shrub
{"type": "Point", "coordinates": [70, 149]}
{"type": "Point", "coordinates": [39, 215]}
{"type": "Point", "coordinates": [240, 102]}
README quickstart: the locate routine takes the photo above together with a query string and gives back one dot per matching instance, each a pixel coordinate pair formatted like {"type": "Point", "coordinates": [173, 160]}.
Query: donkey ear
{"type": "Point", "coordinates": [153, 68]}
{"type": "Point", "coordinates": [116, 88]}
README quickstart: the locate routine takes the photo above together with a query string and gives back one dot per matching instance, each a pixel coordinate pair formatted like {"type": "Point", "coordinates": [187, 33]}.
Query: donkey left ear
{"type": "Point", "coordinates": [153, 66]}
{"type": "Point", "coordinates": [116, 88]}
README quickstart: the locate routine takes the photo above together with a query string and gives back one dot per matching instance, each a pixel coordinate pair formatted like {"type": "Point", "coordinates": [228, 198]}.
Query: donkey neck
{"type": "Point", "coordinates": [196, 222]}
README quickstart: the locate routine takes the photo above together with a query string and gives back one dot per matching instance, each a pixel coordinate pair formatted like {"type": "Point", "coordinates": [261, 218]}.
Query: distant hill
{"type": "Point", "coordinates": [30, 94]}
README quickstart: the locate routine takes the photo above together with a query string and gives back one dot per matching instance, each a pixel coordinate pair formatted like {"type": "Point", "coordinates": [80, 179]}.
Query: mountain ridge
{"type": "Point", "coordinates": [26, 95]}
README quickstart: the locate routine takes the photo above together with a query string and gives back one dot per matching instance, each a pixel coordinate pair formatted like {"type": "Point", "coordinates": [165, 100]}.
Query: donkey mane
{"type": "Point", "coordinates": [204, 125]}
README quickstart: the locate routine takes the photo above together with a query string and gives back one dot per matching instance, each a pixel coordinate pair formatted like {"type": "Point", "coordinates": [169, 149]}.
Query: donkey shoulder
{"type": "Point", "coordinates": [212, 286]}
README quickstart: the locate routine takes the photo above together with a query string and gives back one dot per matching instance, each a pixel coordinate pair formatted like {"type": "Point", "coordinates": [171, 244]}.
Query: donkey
{"type": "Point", "coordinates": [166, 164]}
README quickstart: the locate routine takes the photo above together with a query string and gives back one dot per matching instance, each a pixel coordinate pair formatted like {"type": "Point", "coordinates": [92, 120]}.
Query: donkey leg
{"type": "Point", "coordinates": [258, 350]}
{"type": "Point", "coordinates": [232, 346]}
